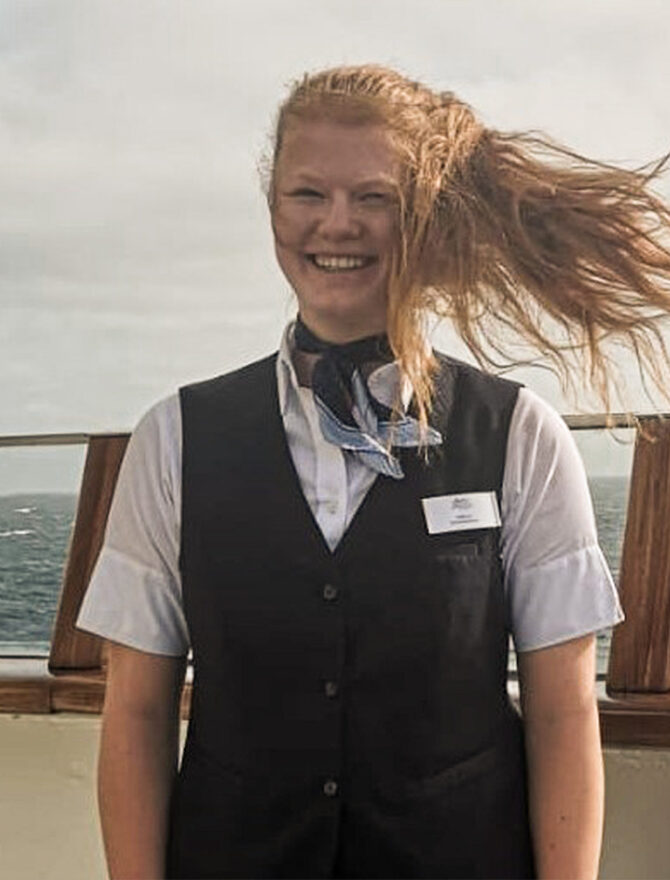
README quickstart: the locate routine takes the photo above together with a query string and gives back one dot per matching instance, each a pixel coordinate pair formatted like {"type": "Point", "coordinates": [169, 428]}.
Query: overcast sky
{"type": "Point", "coordinates": [135, 251]}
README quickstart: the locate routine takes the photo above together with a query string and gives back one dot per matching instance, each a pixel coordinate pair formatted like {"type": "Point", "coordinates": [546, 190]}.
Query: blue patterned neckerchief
{"type": "Point", "coordinates": [350, 416]}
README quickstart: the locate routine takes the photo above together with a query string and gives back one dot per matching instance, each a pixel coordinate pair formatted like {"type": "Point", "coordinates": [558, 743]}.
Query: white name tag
{"type": "Point", "coordinates": [455, 513]}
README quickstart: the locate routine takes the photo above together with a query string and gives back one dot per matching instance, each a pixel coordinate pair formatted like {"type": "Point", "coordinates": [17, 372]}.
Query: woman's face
{"type": "Point", "coordinates": [334, 218]}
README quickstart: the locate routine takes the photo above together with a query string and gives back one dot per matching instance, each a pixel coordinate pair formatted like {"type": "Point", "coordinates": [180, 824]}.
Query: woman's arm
{"type": "Point", "coordinates": [565, 768]}
{"type": "Point", "coordinates": [138, 760]}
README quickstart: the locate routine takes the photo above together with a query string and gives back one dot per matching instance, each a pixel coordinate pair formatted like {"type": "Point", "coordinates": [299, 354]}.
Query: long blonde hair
{"type": "Point", "coordinates": [507, 234]}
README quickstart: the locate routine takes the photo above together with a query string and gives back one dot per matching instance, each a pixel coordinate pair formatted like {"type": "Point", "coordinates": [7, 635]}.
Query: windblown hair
{"type": "Point", "coordinates": [524, 244]}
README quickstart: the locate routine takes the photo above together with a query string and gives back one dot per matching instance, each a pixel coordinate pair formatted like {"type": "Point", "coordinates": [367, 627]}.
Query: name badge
{"type": "Point", "coordinates": [455, 513]}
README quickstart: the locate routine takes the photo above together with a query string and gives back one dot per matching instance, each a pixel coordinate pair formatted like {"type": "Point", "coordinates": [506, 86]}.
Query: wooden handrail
{"type": "Point", "coordinates": [601, 421]}
{"type": "Point", "coordinates": [27, 688]}
{"type": "Point", "coordinates": [640, 653]}
{"type": "Point", "coordinates": [71, 439]}
{"type": "Point", "coordinates": [574, 421]}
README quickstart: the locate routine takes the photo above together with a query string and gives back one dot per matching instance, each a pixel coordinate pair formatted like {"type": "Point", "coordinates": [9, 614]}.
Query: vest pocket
{"type": "Point", "coordinates": [466, 550]}
{"type": "Point", "coordinates": [470, 770]}
{"type": "Point", "coordinates": [464, 545]}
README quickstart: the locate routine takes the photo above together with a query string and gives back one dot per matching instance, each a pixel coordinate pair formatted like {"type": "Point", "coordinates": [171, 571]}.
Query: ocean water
{"type": "Point", "coordinates": [34, 535]}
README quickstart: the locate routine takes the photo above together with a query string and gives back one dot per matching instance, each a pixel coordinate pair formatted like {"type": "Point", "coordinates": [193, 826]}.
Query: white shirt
{"type": "Point", "coordinates": [557, 582]}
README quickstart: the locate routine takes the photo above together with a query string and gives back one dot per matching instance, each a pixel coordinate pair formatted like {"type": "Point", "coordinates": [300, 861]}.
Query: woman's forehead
{"type": "Point", "coordinates": [323, 146]}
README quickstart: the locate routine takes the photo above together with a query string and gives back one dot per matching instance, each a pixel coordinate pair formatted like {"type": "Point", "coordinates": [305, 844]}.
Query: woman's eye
{"type": "Point", "coordinates": [306, 193]}
{"type": "Point", "coordinates": [374, 197]}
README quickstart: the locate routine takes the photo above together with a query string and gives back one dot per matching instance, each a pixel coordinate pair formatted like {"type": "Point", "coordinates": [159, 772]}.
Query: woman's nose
{"type": "Point", "coordinates": [338, 219]}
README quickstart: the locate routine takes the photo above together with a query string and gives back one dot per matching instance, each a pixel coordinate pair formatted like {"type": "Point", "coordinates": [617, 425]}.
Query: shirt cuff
{"type": "Point", "coordinates": [563, 599]}
{"type": "Point", "coordinates": [129, 603]}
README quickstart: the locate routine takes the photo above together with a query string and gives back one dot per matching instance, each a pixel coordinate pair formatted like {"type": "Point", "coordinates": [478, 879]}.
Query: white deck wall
{"type": "Point", "coordinates": [49, 825]}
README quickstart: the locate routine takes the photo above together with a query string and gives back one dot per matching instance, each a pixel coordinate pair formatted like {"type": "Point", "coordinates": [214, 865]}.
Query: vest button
{"type": "Point", "coordinates": [330, 788]}
{"type": "Point", "coordinates": [329, 592]}
{"type": "Point", "coordinates": [331, 688]}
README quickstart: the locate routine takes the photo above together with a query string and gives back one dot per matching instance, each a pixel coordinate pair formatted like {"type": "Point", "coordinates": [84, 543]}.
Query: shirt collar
{"type": "Point", "coordinates": [382, 382]}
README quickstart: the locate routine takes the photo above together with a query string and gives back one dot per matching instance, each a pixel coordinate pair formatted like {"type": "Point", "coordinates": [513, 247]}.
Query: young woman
{"type": "Point", "coordinates": [346, 533]}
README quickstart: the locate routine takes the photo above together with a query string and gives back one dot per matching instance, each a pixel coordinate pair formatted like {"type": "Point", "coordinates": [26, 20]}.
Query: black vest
{"type": "Point", "coordinates": [350, 715]}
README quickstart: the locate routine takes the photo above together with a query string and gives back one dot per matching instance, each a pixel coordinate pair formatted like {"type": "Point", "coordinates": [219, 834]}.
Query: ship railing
{"type": "Point", "coordinates": [634, 711]}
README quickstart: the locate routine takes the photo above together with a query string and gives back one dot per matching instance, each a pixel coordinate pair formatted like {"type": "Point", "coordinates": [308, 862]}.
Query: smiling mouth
{"type": "Point", "coordinates": [343, 263]}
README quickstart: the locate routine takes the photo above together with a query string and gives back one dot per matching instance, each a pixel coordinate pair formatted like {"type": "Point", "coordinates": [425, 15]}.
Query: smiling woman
{"type": "Point", "coordinates": [347, 532]}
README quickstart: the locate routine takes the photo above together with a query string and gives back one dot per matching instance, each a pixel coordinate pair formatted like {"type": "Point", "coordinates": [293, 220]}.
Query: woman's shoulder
{"type": "Point", "coordinates": [153, 453]}
{"type": "Point", "coordinates": [541, 451]}
{"type": "Point", "coordinates": [536, 421]}
{"type": "Point", "coordinates": [160, 424]}
{"type": "Point", "coordinates": [262, 369]}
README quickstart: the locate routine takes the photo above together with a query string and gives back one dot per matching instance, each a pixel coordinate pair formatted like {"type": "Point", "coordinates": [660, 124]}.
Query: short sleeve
{"type": "Point", "coordinates": [558, 583]}
{"type": "Point", "coordinates": [134, 596]}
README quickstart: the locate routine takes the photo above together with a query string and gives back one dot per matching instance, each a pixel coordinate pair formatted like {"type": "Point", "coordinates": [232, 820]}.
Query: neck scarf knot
{"type": "Point", "coordinates": [350, 416]}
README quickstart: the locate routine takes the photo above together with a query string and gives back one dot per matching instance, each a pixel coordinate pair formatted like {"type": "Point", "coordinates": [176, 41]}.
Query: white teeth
{"type": "Point", "coordinates": [334, 263]}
